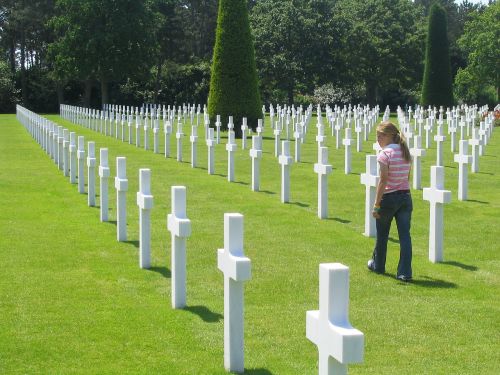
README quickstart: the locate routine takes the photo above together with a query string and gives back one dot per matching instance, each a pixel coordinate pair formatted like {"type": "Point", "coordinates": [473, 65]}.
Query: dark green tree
{"type": "Point", "coordinates": [437, 87]}
{"type": "Point", "coordinates": [479, 81]}
{"type": "Point", "coordinates": [106, 40]}
{"type": "Point", "coordinates": [233, 83]}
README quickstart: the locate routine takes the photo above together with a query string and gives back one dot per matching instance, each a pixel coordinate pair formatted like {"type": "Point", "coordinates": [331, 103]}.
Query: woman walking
{"type": "Point", "coordinates": [393, 200]}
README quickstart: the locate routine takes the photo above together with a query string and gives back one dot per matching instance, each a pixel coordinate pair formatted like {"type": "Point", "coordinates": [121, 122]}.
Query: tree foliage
{"type": "Point", "coordinates": [480, 44]}
{"type": "Point", "coordinates": [437, 84]}
{"type": "Point", "coordinates": [233, 82]}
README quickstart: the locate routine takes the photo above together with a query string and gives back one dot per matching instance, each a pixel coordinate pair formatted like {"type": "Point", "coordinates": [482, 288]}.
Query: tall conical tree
{"type": "Point", "coordinates": [233, 83]}
{"type": "Point", "coordinates": [437, 85]}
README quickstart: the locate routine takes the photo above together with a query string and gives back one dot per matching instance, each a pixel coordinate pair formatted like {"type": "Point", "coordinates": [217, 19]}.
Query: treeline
{"type": "Point", "coordinates": [88, 52]}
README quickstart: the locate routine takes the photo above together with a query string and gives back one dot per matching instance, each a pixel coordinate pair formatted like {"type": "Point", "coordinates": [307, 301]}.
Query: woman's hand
{"type": "Point", "coordinates": [376, 212]}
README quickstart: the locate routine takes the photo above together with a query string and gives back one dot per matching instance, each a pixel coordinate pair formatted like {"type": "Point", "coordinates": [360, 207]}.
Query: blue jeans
{"type": "Point", "coordinates": [394, 205]}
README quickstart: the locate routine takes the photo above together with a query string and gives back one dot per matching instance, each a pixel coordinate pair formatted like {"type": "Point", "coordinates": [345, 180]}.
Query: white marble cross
{"type": "Point", "coordinates": [178, 135]}
{"type": "Point", "coordinates": [439, 138]}
{"type": "Point", "coordinates": [463, 159]}
{"type": "Point", "coordinates": [277, 143]}
{"type": "Point", "coordinates": [297, 135]}
{"type": "Point", "coordinates": [180, 228]}
{"type": "Point", "coordinates": [370, 179]}
{"type": "Point", "coordinates": [167, 130]}
{"type": "Point", "coordinates": [237, 269]}
{"type": "Point", "coordinates": [437, 196]}
{"type": "Point", "coordinates": [256, 155]}
{"type": "Point", "coordinates": [193, 138]}
{"type": "Point", "coordinates": [121, 186]}
{"type": "Point", "coordinates": [285, 159]}
{"type": "Point", "coordinates": [81, 164]}
{"type": "Point", "coordinates": [137, 130]}
{"type": "Point", "coordinates": [145, 203]}
{"type": "Point", "coordinates": [244, 128]}
{"type": "Point", "coordinates": [103, 189]}
{"type": "Point", "coordinates": [323, 169]}
{"type": "Point", "coordinates": [417, 152]}
{"type": "Point", "coordinates": [231, 148]}
{"type": "Point", "coordinates": [66, 152]}
{"type": "Point", "coordinates": [211, 142]}
{"type": "Point", "coordinates": [156, 137]}
{"type": "Point", "coordinates": [91, 174]}
{"type": "Point", "coordinates": [347, 142]}
{"type": "Point", "coordinates": [218, 124]}
{"type": "Point", "coordinates": [60, 141]}
{"type": "Point", "coordinates": [328, 328]}
{"type": "Point", "coordinates": [475, 142]}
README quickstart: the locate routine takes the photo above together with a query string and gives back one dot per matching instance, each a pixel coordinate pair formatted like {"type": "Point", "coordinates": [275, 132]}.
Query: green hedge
{"type": "Point", "coordinates": [437, 84]}
{"type": "Point", "coordinates": [233, 84]}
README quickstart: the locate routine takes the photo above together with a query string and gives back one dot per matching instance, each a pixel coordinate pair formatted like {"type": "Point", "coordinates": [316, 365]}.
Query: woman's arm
{"type": "Point", "coordinates": [384, 175]}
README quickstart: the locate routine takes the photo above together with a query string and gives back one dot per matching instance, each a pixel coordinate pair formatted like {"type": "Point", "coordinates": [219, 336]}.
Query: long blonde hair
{"type": "Point", "coordinates": [388, 127]}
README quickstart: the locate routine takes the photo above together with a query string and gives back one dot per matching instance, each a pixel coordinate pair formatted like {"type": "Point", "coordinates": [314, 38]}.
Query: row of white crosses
{"type": "Point", "coordinates": [328, 328]}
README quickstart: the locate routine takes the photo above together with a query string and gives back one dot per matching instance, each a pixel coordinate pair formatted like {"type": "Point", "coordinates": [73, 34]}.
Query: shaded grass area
{"type": "Point", "coordinates": [73, 299]}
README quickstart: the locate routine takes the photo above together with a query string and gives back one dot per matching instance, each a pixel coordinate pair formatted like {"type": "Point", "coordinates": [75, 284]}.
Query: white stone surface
{"type": "Point", "coordinates": [437, 196]}
{"type": "Point", "coordinates": [237, 269]}
{"type": "Point", "coordinates": [347, 142]}
{"type": "Point", "coordinates": [81, 164]}
{"type": "Point", "coordinates": [256, 155]}
{"type": "Point", "coordinates": [463, 159]}
{"type": "Point", "coordinates": [193, 139]}
{"type": "Point", "coordinates": [91, 161]}
{"type": "Point", "coordinates": [323, 169]}
{"type": "Point", "coordinates": [72, 158]}
{"type": "Point", "coordinates": [179, 135]}
{"type": "Point", "coordinates": [370, 179]}
{"type": "Point", "coordinates": [328, 328]}
{"type": "Point", "coordinates": [145, 203]}
{"type": "Point", "coordinates": [285, 159]}
{"type": "Point", "coordinates": [439, 138]}
{"type": "Point", "coordinates": [211, 142]}
{"type": "Point", "coordinates": [417, 152]}
{"type": "Point", "coordinates": [104, 176]}
{"type": "Point", "coordinates": [475, 143]}
{"type": "Point", "coordinates": [66, 152]}
{"type": "Point", "coordinates": [167, 130]}
{"type": "Point", "coordinates": [231, 148]}
{"type": "Point", "coordinates": [121, 186]}
{"type": "Point", "coordinates": [180, 228]}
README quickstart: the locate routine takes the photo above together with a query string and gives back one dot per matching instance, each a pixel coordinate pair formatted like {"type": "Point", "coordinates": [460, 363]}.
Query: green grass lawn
{"type": "Point", "coordinates": [74, 300]}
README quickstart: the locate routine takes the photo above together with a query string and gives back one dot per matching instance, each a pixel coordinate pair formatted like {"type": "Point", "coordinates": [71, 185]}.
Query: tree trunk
{"type": "Point", "coordinates": [104, 92]}
{"type": "Point", "coordinates": [371, 93]}
{"type": "Point", "coordinates": [157, 81]}
{"type": "Point", "coordinates": [24, 86]}
{"type": "Point", "coordinates": [12, 56]}
{"type": "Point", "coordinates": [88, 93]}
{"type": "Point", "coordinates": [60, 92]}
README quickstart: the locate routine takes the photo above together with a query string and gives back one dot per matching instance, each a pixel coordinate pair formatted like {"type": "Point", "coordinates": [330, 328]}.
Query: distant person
{"type": "Point", "coordinates": [393, 200]}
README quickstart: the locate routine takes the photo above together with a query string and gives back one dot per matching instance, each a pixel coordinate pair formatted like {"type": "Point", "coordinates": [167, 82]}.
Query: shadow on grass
{"type": "Point", "coordinates": [258, 371]}
{"type": "Point", "coordinates": [476, 201]}
{"type": "Point", "coordinates": [461, 265]}
{"type": "Point", "coordinates": [355, 173]}
{"type": "Point", "coordinates": [343, 221]}
{"type": "Point", "coordinates": [113, 222]}
{"type": "Point", "coordinates": [429, 282]}
{"type": "Point", "coordinates": [204, 313]}
{"type": "Point", "coordinates": [241, 182]}
{"type": "Point", "coordinates": [450, 166]}
{"type": "Point", "coordinates": [164, 271]}
{"type": "Point", "coordinates": [424, 281]}
{"type": "Point", "coordinates": [488, 173]}
{"type": "Point", "coordinates": [300, 204]}
{"type": "Point", "coordinates": [267, 192]}
{"type": "Point", "coordinates": [133, 242]}
{"type": "Point", "coordinates": [393, 240]}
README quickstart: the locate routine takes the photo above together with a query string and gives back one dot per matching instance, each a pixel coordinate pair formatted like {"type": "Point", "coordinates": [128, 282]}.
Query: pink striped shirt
{"type": "Point", "coordinates": [399, 168]}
